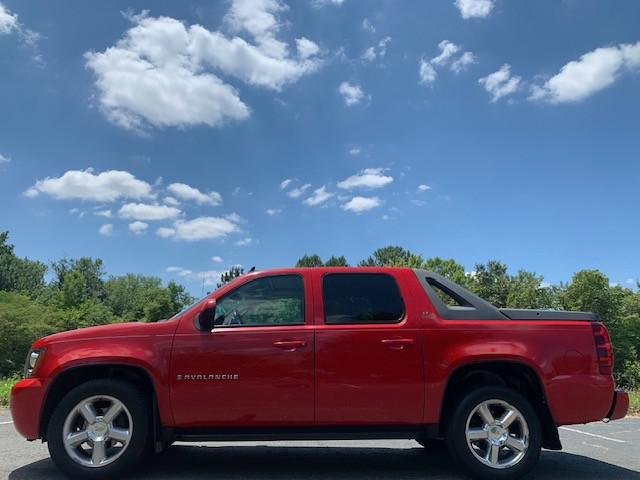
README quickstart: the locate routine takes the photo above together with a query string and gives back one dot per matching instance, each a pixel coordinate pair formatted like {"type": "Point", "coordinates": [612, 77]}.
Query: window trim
{"type": "Point", "coordinates": [395, 283]}
{"type": "Point", "coordinates": [304, 292]}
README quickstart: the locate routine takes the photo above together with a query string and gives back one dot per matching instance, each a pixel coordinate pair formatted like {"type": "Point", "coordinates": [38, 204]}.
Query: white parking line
{"type": "Point", "coordinates": [6, 423]}
{"type": "Point", "coordinates": [593, 435]}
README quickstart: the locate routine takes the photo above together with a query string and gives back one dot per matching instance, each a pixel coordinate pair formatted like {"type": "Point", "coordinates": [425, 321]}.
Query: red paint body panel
{"type": "Point", "coordinates": [361, 380]}
{"type": "Point", "coordinates": [333, 374]}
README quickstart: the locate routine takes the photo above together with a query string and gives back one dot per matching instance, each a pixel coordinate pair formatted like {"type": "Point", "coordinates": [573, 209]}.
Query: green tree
{"type": "Point", "coordinates": [393, 256]}
{"type": "Point", "coordinates": [448, 268]}
{"type": "Point", "coordinates": [525, 290]}
{"type": "Point", "coordinates": [22, 321]}
{"type": "Point", "coordinates": [310, 261]}
{"type": "Point", "coordinates": [589, 291]}
{"type": "Point", "coordinates": [91, 269]}
{"type": "Point", "coordinates": [229, 275]}
{"type": "Point", "coordinates": [19, 274]}
{"type": "Point", "coordinates": [73, 289]}
{"type": "Point", "coordinates": [491, 282]}
{"type": "Point", "coordinates": [334, 261]}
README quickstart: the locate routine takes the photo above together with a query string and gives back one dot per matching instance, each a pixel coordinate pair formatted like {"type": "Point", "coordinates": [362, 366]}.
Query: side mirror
{"type": "Point", "coordinates": [205, 318]}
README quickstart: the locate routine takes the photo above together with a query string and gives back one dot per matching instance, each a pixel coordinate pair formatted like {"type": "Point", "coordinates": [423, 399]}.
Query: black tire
{"type": "Point", "coordinates": [138, 406]}
{"type": "Point", "coordinates": [460, 450]}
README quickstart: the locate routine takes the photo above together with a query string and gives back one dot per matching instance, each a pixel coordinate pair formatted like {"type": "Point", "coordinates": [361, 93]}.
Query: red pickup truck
{"type": "Point", "coordinates": [322, 353]}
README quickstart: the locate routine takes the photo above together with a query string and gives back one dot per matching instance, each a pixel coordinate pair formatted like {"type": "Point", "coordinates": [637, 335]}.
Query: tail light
{"type": "Point", "coordinates": [604, 349]}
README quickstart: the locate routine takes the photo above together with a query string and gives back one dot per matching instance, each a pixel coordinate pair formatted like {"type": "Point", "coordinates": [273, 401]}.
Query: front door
{"type": "Point", "coordinates": [255, 368]}
{"type": "Point", "coordinates": [369, 368]}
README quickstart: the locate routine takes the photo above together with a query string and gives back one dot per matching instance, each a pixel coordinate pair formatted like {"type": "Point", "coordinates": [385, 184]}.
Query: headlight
{"type": "Point", "coordinates": [32, 361]}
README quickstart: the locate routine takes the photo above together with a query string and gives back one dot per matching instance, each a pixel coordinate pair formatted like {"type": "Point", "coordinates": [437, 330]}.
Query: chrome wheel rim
{"type": "Point", "coordinates": [97, 431]}
{"type": "Point", "coordinates": [497, 434]}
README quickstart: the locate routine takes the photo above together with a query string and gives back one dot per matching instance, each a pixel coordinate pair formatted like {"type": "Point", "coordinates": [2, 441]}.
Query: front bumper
{"type": "Point", "coordinates": [619, 406]}
{"type": "Point", "coordinates": [26, 404]}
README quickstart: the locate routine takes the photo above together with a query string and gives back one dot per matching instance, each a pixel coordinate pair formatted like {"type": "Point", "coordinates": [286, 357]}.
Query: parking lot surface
{"type": "Point", "coordinates": [595, 451]}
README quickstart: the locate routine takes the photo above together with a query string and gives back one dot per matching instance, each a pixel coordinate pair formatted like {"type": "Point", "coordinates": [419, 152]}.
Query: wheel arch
{"type": "Point", "coordinates": [514, 374]}
{"type": "Point", "coordinates": [75, 375]}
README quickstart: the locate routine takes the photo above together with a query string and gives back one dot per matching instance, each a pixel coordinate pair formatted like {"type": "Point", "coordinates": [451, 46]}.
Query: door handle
{"type": "Point", "coordinates": [397, 343]}
{"type": "Point", "coordinates": [290, 345]}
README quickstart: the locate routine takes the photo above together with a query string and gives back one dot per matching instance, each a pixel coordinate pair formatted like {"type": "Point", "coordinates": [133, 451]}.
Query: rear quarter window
{"type": "Point", "coordinates": [361, 298]}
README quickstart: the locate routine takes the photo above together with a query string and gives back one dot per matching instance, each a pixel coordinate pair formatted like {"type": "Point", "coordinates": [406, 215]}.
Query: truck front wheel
{"type": "Point", "coordinates": [99, 430]}
{"type": "Point", "coordinates": [495, 433]}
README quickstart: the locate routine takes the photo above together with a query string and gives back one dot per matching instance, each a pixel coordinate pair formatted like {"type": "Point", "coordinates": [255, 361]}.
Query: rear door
{"type": "Point", "coordinates": [369, 367]}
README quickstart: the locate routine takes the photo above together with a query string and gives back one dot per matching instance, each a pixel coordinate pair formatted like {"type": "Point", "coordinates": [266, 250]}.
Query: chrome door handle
{"type": "Point", "coordinates": [397, 343]}
{"type": "Point", "coordinates": [290, 345]}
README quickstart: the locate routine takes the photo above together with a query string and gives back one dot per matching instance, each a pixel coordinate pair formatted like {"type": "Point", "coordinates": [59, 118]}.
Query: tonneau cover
{"type": "Point", "coordinates": [526, 314]}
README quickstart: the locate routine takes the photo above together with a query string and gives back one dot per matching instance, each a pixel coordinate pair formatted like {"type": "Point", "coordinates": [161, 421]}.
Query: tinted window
{"type": "Point", "coordinates": [277, 300]}
{"type": "Point", "coordinates": [361, 298]}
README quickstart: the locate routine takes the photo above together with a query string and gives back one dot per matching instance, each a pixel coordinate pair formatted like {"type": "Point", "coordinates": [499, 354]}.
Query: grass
{"type": "Point", "coordinates": [5, 389]}
{"type": "Point", "coordinates": [634, 402]}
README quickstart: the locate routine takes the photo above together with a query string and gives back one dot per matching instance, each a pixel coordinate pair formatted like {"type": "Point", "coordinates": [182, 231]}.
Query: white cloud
{"type": "Point", "coordinates": [448, 51]}
{"type": "Point", "coordinates": [361, 204]}
{"type": "Point", "coordinates": [368, 26]}
{"type": "Point", "coordinates": [594, 71]}
{"type": "Point", "coordinates": [84, 185]}
{"type": "Point", "coordinates": [9, 24]}
{"type": "Point", "coordinates": [106, 229]}
{"type": "Point", "coordinates": [355, 151]}
{"type": "Point", "coordinates": [377, 51]}
{"type": "Point", "coordinates": [217, 259]}
{"type": "Point", "coordinates": [351, 93]}
{"type": "Point", "coordinates": [462, 63]}
{"type": "Point", "coordinates": [285, 183]}
{"type": "Point", "coordinates": [207, 277]}
{"type": "Point", "coordinates": [187, 192]}
{"type": "Point", "coordinates": [200, 228]}
{"type": "Point", "coordinates": [273, 211]}
{"type": "Point", "coordinates": [423, 188]}
{"type": "Point", "coordinates": [324, 3]}
{"type": "Point", "coordinates": [500, 84]}
{"type": "Point", "coordinates": [369, 54]}
{"type": "Point", "coordinates": [320, 195]}
{"type": "Point", "coordinates": [171, 201]}
{"type": "Point", "coordinates": [165, 232]}
{"type": "Point", "coordinates": [298, 192]}
{"type": "Point", "coordinates": [8, 21]}
{"type": "Point", "coordinates": [426, 72]}
{"type": "Point", "coordinates": [142, 211]}
{"type": "Point", "coordinates": [103, 213]}
{"type": "Point", "coordinates": [306, 48]}
{"type": "Point", "coordinates": [4, 159]}
{"type": "Point", "coordinates": [244, 242]}
{"type": "Point", "coordinates": [160, 73]}
{"type": "Point", "coordinates": [138, 227]}
{"type": "Point", "coordinates": [367, 178]}
{"type": "Point", "coordinates": [474, 8]}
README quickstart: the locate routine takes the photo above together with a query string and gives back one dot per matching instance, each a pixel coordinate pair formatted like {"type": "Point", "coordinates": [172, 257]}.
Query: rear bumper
{"type": "Point", "coordinates": [26, 404]}
{"type": "Point", "coordinates": [619, 406]}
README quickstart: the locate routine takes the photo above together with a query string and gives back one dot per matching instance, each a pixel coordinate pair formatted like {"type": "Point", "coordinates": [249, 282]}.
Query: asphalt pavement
{"type": "Point", "coordinates": [595, 451]}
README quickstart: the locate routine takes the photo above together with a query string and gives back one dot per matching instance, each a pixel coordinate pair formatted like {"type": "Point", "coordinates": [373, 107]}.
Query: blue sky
{"type": "Point", "coordinates": [176, 138]}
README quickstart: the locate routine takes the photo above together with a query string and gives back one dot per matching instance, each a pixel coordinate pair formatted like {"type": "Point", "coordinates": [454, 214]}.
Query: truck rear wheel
{"type": "Point", "coordinates": [99, 430]}
{"type": "Point", "coordinates": [495, 433]}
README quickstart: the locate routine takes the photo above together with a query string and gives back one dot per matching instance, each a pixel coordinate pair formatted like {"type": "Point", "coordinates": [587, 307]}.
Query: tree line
{"type": "Point", "coordinates": [38, 299]}
{"type": "Point", "coordinates": [78, 294]}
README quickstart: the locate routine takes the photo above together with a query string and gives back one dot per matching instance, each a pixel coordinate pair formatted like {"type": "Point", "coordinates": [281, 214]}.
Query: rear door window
{"type": "Point", "coordinates": [360, 298]}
